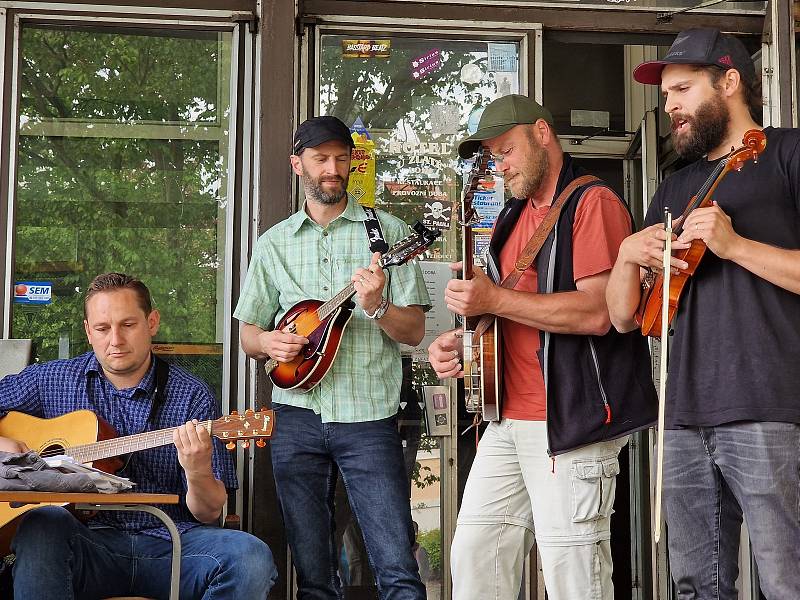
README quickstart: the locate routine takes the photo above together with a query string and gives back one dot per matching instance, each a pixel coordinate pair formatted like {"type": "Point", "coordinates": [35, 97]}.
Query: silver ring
{"type": "Point", "coordinates": [455, 353]}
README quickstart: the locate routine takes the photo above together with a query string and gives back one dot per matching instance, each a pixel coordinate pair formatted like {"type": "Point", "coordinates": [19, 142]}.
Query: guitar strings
{"type": "Point", "coordinates": [127, 442]}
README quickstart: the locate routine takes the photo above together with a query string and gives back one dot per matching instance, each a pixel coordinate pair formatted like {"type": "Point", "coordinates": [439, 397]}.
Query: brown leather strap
{"type": "Point", "coordinates": [531, 249]}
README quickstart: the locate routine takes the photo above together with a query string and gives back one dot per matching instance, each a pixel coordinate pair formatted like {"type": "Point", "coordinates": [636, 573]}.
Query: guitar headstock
{"type": "Point", "coordinates": [252, 425]}
{"type": "Point", "coordinates": [409, 247]}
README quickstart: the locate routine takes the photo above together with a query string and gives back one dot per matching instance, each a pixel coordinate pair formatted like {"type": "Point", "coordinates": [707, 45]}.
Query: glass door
{"type": "Point", "coordinates": [411, 96]}
{"type": "Point", "coordinates": [122, 164]}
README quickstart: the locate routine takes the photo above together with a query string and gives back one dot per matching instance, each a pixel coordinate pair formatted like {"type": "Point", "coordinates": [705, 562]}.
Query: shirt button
{"type": "Point", "coordinates": [325, 288]}
{"type": "Point", "coordinates": [325, 234]}
{"type": "Point", "coordinates": [325, 260]}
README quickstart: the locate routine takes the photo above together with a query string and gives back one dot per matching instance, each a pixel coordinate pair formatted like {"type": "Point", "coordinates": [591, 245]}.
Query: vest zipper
{"type": "Point", "coordinates": [599, 381]}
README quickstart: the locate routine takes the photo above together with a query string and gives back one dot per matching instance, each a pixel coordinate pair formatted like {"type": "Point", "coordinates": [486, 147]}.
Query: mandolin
{"type": "Point", "coordinates": [324, 323]}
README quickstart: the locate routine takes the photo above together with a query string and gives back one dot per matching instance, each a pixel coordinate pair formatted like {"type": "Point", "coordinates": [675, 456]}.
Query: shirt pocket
{"type": "Point", "coordinates": [594, 482]}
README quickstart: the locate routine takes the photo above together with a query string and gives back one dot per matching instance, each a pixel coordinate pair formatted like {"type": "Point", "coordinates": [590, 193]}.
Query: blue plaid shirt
{"type": "Point", "coordinates": [54, 388]}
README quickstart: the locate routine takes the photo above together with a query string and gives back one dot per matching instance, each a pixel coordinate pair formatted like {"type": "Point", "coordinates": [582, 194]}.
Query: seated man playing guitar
{"type": "Point", "coordinates": [120, 553]}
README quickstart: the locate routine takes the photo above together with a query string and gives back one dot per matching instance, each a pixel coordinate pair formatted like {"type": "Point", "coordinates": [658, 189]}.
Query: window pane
{"type": "Point", "coordinates": [121, 166]}
{"type": "Point", "coordinates": [417, 100]}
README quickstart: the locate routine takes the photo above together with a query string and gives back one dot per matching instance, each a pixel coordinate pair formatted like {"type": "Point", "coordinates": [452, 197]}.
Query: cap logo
{"type": "Point", "coordinates": [726, 60]}
{"type": "Point", "coordinates": [680, 40]}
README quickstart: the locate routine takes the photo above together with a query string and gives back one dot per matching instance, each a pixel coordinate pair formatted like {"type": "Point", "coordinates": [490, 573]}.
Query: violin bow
{"type": "Point", "coordinates": [662, 378]}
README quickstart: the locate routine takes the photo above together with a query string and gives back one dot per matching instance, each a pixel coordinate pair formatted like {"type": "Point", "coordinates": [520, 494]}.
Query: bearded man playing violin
{"type": "Point", "coordinates": [732, 407]}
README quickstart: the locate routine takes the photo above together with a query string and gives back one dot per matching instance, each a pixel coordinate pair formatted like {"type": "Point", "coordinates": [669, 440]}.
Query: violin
{"type": "Point", "coordinates": [648, 315]}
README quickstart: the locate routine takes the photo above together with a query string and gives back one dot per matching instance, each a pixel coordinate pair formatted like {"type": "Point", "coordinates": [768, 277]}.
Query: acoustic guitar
{"type": "Point", "coordinates": [323, 323]}
{"type": "Point", "coordinates": [88, 439]}
{"type": "Point", "coordinates": [482, 349]}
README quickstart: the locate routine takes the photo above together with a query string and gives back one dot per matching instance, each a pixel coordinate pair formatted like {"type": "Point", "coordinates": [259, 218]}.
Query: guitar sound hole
{"type": "Point", "coordinates": [52, 450]}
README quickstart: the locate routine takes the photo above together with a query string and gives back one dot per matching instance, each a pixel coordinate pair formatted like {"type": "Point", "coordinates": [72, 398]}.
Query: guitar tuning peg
{"type": "Point", "coordinates": [231, 445]}
{"type": "Point", "coordinates": [260, 442]}
{"type": "Point", "coordinates": [245, 444]}
{"type": "Point", "coordinates": [249, 412]}
{"type": "Point", "coordinates": [234, 412]}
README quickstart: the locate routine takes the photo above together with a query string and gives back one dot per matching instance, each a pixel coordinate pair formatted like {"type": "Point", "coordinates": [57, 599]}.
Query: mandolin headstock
{"type": "Point", "coordinates": [409, 247]}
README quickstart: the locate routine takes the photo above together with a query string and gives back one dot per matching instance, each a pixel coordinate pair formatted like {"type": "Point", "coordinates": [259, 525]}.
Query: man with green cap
{"type": "Point", "coordinates": [573, 388]}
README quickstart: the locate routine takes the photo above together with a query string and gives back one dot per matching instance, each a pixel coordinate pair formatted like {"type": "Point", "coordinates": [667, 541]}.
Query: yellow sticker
{"type": "Point", "coordinates": [362, 170]}
{"type": "Point", "coordinates": [366, 48]}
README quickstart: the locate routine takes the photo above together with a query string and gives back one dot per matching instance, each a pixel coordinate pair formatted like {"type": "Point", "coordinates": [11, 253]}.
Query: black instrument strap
{"type": "Point", "coordinates": [377, 243]}
{"type": "Point", "coordinates": [159, 394]}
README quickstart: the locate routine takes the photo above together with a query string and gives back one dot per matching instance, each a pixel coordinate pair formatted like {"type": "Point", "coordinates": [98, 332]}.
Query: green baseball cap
{"type": "Point", "coordinates": [502, 115]}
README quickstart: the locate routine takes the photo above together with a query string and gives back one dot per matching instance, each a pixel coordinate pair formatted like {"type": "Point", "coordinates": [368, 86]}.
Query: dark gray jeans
{"type": "Point", "coordinates": [712, 477]}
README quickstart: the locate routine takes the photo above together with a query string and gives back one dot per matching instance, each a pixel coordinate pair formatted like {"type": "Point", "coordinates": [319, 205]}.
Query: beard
{"type": "Point", "coordinates": [709, 126]}
{"type": "Point", "coordinates": [314, 190]}
{"type": "Point", "coordinates": [528, 179]}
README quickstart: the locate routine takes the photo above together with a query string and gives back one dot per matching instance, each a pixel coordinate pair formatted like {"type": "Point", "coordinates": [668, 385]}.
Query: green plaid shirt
{"type": "Point", "coordinates": [298, 260]}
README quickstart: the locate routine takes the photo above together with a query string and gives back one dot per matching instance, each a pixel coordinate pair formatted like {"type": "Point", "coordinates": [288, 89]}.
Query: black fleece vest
{"type": "Point", "coordinates": [598, 387]}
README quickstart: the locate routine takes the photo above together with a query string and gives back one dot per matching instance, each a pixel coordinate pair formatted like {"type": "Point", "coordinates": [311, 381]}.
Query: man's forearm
{"type": "Point", "coordinates": [779, 266]}
{"type": "Point", "coordinates": [205, 497]}
{"type": "Point", "coordinates": [623, 293]}
{"type": "Point", "coordinates": [404, 324]}
{"type": "Point", "coordinates": [249, 337]}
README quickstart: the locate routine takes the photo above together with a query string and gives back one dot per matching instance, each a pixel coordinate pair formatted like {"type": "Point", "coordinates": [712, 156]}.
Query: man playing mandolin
{"type": "Point", "coordinates": [732, 408]}
{"type": "Point", "coordinates": [550, 464]}
{"type": "Point", "coordinates": [347, 422]}
{"type": "Point", "coordinates": [124, 553]}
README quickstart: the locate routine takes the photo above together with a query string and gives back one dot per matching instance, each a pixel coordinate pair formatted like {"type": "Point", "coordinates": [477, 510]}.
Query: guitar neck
{"type": "Point", "coordinates": [124, 445]}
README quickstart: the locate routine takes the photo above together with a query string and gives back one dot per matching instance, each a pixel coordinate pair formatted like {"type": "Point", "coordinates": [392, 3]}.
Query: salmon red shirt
{"type": "Point", "coordinates": [601, 223]}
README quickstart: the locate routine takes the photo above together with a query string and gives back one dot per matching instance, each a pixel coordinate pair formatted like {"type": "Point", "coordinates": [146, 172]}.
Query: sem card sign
{"type": "Point", "coordinates": [366, 48]}
{"type": "Point", "coordinates": [33, 292]}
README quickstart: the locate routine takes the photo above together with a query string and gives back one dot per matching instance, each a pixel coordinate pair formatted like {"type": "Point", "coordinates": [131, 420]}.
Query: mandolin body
{"type": "Point", "coordinates": [324, 338]}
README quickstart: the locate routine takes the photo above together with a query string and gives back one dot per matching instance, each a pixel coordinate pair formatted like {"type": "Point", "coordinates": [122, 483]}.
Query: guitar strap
{"type": "Point", "coordinates": [377, 243]}
{"type": "Point", "coordinates": [159, 394]}
{"type": "Point", "coordinates": [531, 249]}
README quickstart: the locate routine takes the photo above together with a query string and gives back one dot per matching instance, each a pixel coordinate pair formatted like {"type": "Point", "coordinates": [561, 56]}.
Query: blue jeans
{"type": "Point", "coordinates": [305, 458]}
{"type": "Point", "coordinates": [59, 558]}
{"type": "Point", "coordinates": [712, 477]}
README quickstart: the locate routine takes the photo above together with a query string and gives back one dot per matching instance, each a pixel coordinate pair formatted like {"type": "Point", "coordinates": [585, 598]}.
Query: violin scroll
{"type": "Point", "coordinates": [753, 143]}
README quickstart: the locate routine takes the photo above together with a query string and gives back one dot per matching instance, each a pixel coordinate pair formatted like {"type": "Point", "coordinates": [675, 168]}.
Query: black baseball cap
{"type": "Point", "coordinates": [318, 130]}
{"type": "Point", "coordinates": [502, 115]}
{"type": "Point", "coordinates": [700, 47]}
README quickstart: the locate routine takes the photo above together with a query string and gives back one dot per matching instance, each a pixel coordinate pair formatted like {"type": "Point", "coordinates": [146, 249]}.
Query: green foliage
{"type": "Point", "coordinates": [133, 197]}
{"type": "Point", "coordinates": [432, 542]}
{"type": "Point", "coordinates": [422, 476]}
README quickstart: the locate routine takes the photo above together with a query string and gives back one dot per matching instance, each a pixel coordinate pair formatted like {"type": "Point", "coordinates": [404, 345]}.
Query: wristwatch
{"type": "Point", "coordinates": [380, 311]}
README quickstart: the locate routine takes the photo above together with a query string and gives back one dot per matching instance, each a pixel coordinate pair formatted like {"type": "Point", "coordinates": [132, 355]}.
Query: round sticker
{"type": "Point", "coordinates": [471, 73]}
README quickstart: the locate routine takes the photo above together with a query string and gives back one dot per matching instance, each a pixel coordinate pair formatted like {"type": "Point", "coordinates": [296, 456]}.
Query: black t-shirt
{"type": "Point", "coordinates": [735, 355]}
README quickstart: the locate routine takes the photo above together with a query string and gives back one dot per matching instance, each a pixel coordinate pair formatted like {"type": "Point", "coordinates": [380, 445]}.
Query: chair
{"type": "Point", "coordinates": [15, 355]}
